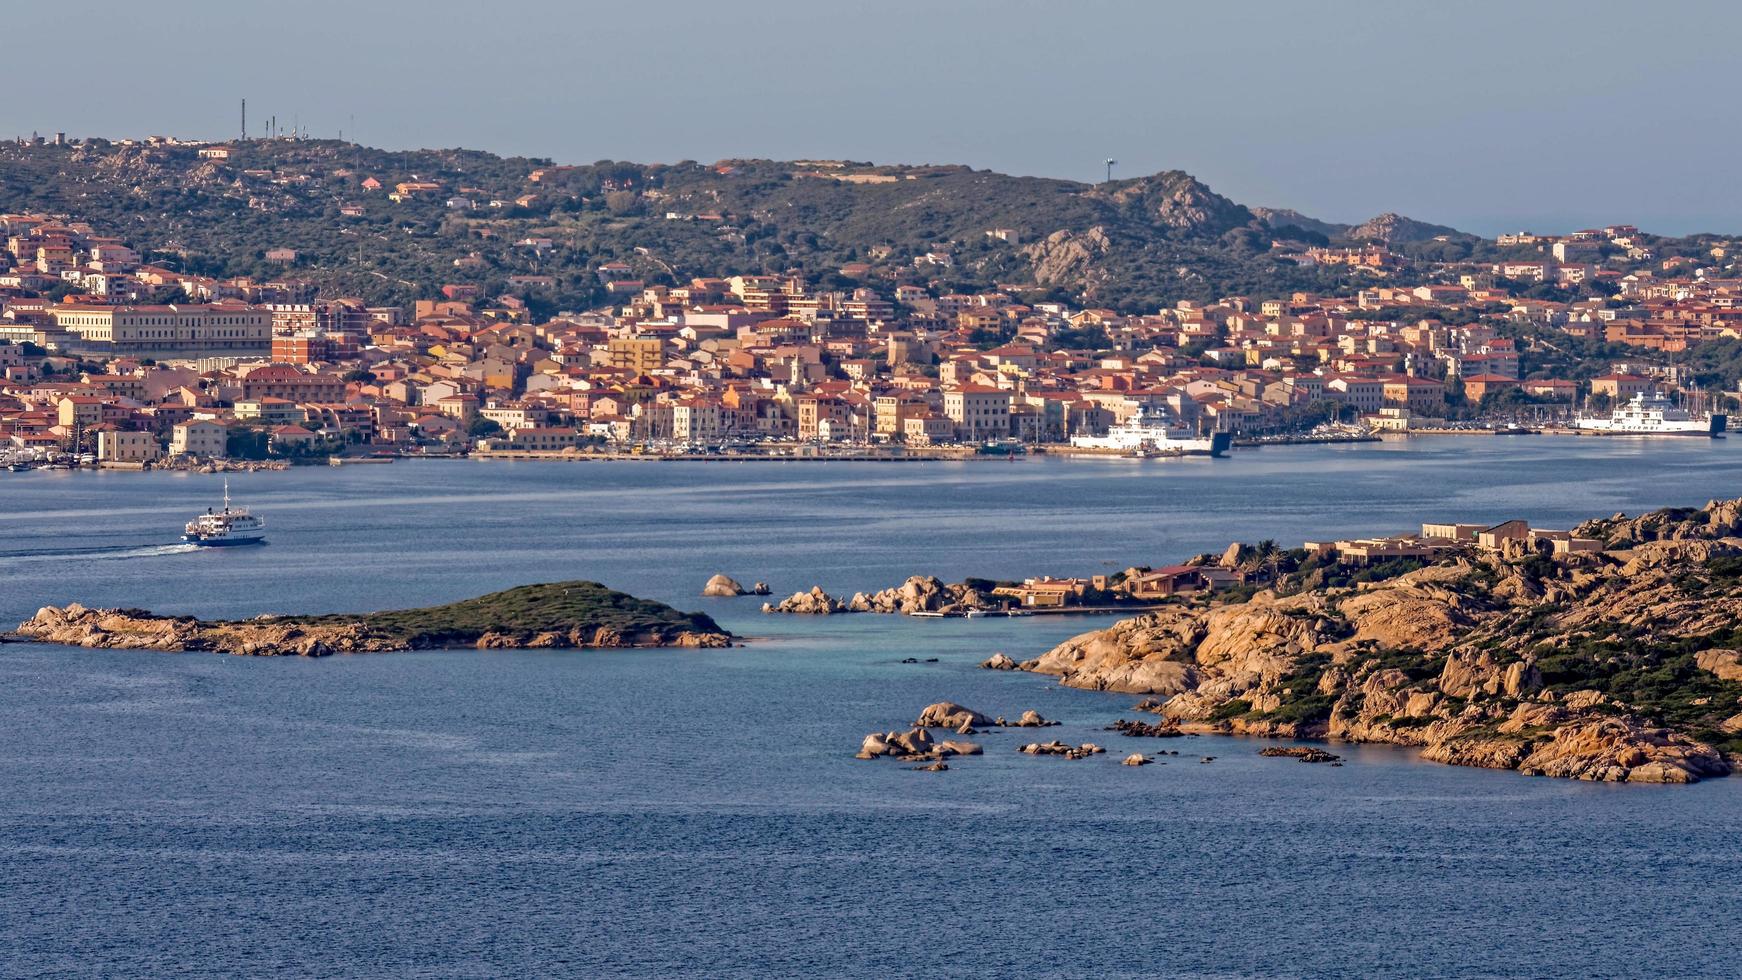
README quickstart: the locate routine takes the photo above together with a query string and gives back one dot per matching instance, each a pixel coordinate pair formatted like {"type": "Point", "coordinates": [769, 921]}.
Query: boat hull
{"type": "Point", "coordinates": [1649, 414]}
{"type": "Point", "coordinates": [1714, 426]}
{"type": "Point", "coordinates": [1216, 444]}
{"type": "Point", "coordinates": [222, 542]}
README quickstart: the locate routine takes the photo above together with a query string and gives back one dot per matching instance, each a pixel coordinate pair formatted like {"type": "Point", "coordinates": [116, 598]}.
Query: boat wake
{"type": "Point", "coordinates": [97, 554]}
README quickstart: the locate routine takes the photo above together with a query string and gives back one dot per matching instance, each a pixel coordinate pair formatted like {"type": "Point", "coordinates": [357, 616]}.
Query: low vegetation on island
{"type": "Point", "coordinates": [551, 615]}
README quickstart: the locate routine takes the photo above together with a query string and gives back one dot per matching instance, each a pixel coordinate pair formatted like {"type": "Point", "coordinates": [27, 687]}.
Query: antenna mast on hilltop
{"type": "Point", "coordinates": [244, 120]}
{"type": "Point", "coordinates": [1110, 163]}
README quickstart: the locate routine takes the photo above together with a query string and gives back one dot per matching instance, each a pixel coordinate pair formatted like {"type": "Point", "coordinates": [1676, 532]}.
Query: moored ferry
{"type": "Point", "coordinates": [230, 526]}
{"type": "Point", "coordinates": [1153, 434]}
{"type": "Point", "coordinates": [1652, 414]}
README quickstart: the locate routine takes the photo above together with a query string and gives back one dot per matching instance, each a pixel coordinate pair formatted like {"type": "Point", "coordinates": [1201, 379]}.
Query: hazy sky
{"type": "Point", "coordinates": [1491, 116]}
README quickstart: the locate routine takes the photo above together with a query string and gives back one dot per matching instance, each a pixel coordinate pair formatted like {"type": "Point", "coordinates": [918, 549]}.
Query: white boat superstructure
{"type": "Point", "coordinates": [1150, 432]}
{"type": "Point", "coordinates": [230, 526]}
{"type": "Point", "coordinates": [1653, 414]}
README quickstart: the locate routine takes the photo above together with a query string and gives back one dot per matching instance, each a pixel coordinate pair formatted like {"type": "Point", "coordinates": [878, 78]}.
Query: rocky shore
{"type": "Point", "coordinates": [554, 615]}
{"type": "Point", "coordinates": [919, 594]}
{"type": "Point", "coordinates": [1619, 665]}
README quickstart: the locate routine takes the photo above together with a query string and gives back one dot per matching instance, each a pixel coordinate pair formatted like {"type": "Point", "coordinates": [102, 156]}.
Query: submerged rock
{"type": "Point", "coordinates": [1058, 748]}
{"type": "Point", "coordinates": [1303, 754]}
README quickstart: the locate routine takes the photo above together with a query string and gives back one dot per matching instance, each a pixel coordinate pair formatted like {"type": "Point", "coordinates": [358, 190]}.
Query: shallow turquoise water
{"type": "Point", "coordinates": [699, 813]}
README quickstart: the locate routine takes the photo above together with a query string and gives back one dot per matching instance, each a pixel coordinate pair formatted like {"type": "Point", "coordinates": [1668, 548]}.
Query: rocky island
{"type": "Point", "coordinates": [551, 615]}
{"type": "Point", "coordinates": [1618, 663]}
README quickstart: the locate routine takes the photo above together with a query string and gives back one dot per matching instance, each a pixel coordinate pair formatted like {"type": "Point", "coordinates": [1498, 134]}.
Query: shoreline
{"type": "Point", "coordinates": [914, 455]}
{"type": "Point", "coordinates": [1607, 653]}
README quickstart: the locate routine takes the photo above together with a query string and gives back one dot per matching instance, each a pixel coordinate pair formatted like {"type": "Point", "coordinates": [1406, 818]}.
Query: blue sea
{"type": "Point", "coordinates": [699, 813]}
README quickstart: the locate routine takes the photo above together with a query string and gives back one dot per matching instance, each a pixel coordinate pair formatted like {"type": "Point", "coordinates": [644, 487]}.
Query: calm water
{"type": "Point", "coordinates": [699, 813]}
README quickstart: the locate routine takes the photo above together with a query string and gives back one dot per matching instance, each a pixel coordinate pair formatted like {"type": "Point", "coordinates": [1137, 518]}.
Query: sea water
{"type": "Point", "coordinates": [460, 813]}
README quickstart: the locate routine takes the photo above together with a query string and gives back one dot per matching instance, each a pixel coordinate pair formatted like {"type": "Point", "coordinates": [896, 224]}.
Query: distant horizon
{"type": "Point", "coordinates": [1488, 229]}
{"type": "Point", "coordinates": [1486, 116]}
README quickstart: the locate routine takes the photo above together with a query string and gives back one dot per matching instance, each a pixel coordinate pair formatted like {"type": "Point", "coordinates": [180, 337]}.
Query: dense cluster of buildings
{"type": "Point", "coordinates": [132, 360]}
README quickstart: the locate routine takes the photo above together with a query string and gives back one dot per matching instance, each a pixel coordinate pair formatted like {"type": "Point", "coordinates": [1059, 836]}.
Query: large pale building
{"type": "Point", "coordinates": [698, 420]}
{"type": "Point", "coordinates": [292, 383]}
{"type": "Point", "coordinates": [181, 330]}
{"type": "Point", "coordinates": [979, 411]}
{"type": "Point", "coordinates": [122, 446]}
{"type": "Point", "coordinates": [200, 437]}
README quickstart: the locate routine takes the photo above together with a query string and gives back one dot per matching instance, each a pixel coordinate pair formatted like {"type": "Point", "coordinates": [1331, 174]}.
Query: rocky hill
{"type": "Point", "coordinates": [558, 614]}
{"type": "Point", "coordinates": [1621, 665]}
{"type": "Point", "coordinates": [1389, 228]}
{"type": "Point", "coordinates": [1131, 244]}
{"type": "Point", "coordinates": [1395, 229]}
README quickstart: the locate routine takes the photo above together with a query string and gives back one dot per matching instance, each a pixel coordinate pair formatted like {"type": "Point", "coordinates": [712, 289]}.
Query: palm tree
{"type": "Point", "coordinates": [1270, 559]}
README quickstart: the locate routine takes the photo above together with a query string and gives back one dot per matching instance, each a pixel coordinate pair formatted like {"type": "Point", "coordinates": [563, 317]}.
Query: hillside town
{"type": "Point", "coordinates": [125, 361]}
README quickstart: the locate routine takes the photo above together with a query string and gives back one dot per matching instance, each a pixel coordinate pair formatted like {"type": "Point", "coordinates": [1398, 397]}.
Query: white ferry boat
{"type": "Point", "coordinates": [1155, 434]}
{"type": "Point", "coordinates": [230, 526]}
{"type": "Point", "coordinates": [1652, 414]}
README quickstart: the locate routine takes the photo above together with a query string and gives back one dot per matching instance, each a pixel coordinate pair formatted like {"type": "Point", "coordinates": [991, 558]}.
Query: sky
{"type": "Point", "coordinates": [1489, 116]}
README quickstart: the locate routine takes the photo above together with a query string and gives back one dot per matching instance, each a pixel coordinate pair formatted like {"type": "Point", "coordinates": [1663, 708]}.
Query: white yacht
{"type": "Point", "coordinates": [230, 526]}
{"type": "Point", "coordinates": [1652, 414]}
{"type": "Point", "coordinates": [1152, 434]}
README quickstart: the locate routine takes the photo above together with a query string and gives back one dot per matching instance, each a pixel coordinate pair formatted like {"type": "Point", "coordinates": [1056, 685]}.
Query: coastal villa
{"type": "Point", "coordinates": [1368, 551]}
{"type": "Point", "coordinates": [1172, 580]}
{"type": "Point", "coordinates": [1495, 537]}
{"type": "Point", "coordinates": [1046, 593]}
{"type": "Point", "coordinates": [292, 437]}
{"type": "Point", "coordinates": [1436, 540]}
{"type": "Point", "coordinates": [1144, 584]}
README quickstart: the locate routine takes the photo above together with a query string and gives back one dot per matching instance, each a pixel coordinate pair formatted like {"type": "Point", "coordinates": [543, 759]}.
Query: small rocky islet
{"type": "Point", "coordinates": [1618, 665]}
{"type": "Point", "coordinates": [917, 744]}
{"type": "Point", "coordinates": [575, 614]}
{"type": "Point", "coordinates": [727, 587]}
